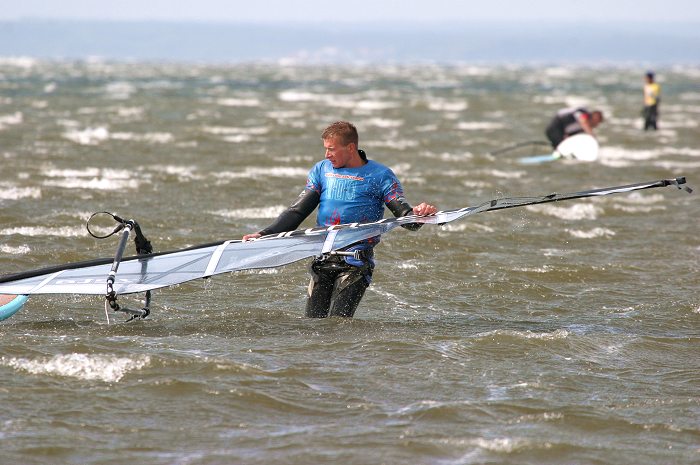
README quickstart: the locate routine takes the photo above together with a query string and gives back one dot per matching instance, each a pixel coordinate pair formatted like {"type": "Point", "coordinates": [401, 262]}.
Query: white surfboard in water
{"type": "Point", "coordinates": [582, 147]}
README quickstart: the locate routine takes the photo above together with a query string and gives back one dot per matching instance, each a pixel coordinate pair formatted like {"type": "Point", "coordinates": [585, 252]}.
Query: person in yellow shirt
{"type": "Point", "coordinates": [652, 96]}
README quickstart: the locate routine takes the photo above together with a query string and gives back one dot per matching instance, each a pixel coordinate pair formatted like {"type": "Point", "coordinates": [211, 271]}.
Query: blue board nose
{"type": "Point", "coordinates": [12, 307]}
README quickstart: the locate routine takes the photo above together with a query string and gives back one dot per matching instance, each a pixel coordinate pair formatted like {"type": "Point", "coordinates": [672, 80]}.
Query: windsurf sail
{"type": "Point", "coordinates": [149, 271]}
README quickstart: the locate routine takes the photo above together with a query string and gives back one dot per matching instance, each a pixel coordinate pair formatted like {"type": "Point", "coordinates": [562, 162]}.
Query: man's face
{"type": "Point", "coordinates": [338, 154]}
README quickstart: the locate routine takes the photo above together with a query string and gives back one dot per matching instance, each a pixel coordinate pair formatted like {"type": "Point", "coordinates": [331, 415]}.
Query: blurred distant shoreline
{"type": "Point", "coordinates": [652, 44]}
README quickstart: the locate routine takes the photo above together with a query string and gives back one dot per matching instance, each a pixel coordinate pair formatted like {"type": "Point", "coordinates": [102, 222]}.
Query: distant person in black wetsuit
{"type": "Point", "coordinates": [347, 188]}
{"type": "Point", "coordinates": [652, 96]}
{"type": "Point", "coordinates": [570, 121]}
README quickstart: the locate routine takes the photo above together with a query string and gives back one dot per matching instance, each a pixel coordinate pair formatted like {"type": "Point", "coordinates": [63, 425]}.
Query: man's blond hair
{"type": "Point", "coordinates": [345, 132]}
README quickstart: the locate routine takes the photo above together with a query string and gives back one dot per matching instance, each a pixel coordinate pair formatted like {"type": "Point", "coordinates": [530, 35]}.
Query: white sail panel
{"type": "Point", "coordinates": [153, 271]}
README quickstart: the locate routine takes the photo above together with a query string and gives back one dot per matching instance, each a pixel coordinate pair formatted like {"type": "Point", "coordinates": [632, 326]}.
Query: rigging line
{"type": "Point", "coordinates": [511, 202]}
{"type": "Point", "coordinates": [518, 145]}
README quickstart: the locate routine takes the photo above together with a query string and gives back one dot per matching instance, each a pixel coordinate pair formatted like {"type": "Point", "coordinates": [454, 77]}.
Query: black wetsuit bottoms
{"type": "Point", "coordinates": [651, 114]}
{"type": "Point", "coordinates": [336, 287]}
{"type": "Point", "coordinates": [555, 132]}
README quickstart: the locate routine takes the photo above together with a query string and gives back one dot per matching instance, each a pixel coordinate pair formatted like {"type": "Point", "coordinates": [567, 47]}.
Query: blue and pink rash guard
{"type": "Point", "coordinates": [346, 195]}
{"type": "Point", "coordinates": [353, 195]}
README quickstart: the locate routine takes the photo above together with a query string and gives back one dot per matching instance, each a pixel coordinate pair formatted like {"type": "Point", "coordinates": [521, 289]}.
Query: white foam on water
{"type": "Point", "coordinates": [371, 105]}
{"type": "Point", "coordinates": [258, 172]}
{"type": "Point", "coordinates": [228, 130]}
{"type": "Point", "coordinates": [401, 144]}
{"type": "Point", "coordinates": [504, 445]}
{"type": "Point", "coordinates": [164, 84]}
{"type": "Point", "coordinates": [456, 173]}
{"type": "Point", "coordinates": [559, 72]}
{"type": "Point", "coordinates": [151, 137]}
{"type": "Point", "coordinates": [238, 102]}
{"type": "Point", "coordinates": [479, 125]}
{"type": "Point", "coordinates": [447, 105]}
{"type": "Point", "coordinates": [609, 154]}
{"type": "Point", "coordinates": [639, 209]}
{"type": "Point", "coordinates": [684, 122]}
{"type": "Point", "coordinates": [426, 128]}
{"type": "Point", "coordinates": [636, 202]}
{"type": "Point", "coordinates": [687, 151]}
{"type": "Point", "coordinates": [11, 119]}
{"type": "Point", "coordinates": [286, 159]}
{"type": "Point", "coordinates": [476, 184]}
{"type": "Point", "coordinates": [68, 123]}
{"type": "Point", "coordinates": [284, 114]}
{"type": "Point", "coordinates": [88, 111]}
{"type": "Point", "coordinates": [298, 96]}
{"type": "Point", "coordinates": [446, 156]}
{"type": "Point", "coordinates": [678, 166]}
{"type": "Point", "coordinates": [546, 336]}
{"type": "Point", "coordinates": [99, 134]}
{"type": "Point", "coordinates": [101, 178]}
{"type": "Point", "coordinates": [548, 99]}
{"type": "Point", "coordinates": [33, 231]}
{"type": "Point", "coordinates": [107, 368]}
{"type": "Point", "coordinates": [466, 226]}
{"type": "Point", "coordinates": [477, 71]}
{"type": "Point", "coordinates": [501, 445]}
{"type": "Point", "coordinates": [638, 198]}
{"type": "Point", "coordinates": [133, 113]}
{"type": "Point", "coordinates": [337, 101]}
{"type": "Point", "coordinates": [119, 90]}
{"type": "Point", "coordinates": [261, 271]}
{"type": "Point", "coordinates": [87, 136]}
{"type": "Point", "coordinates": [407, 266]}
{"type": "Point", "coordinates": [19, 62]}
{"type": "Point", "coordinates": [87, 172]}
{"type": "Point", "coordinates": [183, 172]}
{"type": "Point", "coordinates": [100, 184]}
{"type": "Point", "coordinates": [237, 139]}
{"type": "Point", "coordinates": [15, 193]}
{"type": "Point", "coordinates": [555, 252]}
{"type": "Point", "coordinates": [70, 173]}
{"type": "Point", "coordinates": [505, 174]}
{"type": "Point", "coordinates": [591, 234]}
{"type": "Point", "coordinates": [262, 212]}
{"type": "Point", "coordinates": [566, 101]}
{"type": "Point", "coordinates": [383, 122]}
{"type": "Point", "coordinates": [581, 211]}
{"type": "Point", "coordinates": [419, 406]}
{"type": "Point", "coordinates": [20, 250]}
{"type": "Point", "coordinates": [682, 108]}
{"type": "Point", "coordinates": [541, 269]}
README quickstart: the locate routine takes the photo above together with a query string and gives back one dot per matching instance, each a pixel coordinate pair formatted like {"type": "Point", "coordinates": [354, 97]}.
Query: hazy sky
{"type": "Point", "coordinates": [328, 11]}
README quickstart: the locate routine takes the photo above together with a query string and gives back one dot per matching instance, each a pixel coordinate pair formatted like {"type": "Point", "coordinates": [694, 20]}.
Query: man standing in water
{"type": "Point", "coordinates": [347, 188]}
{"type": "Point", "coordinates": [652, 94]}
{"type": "Point", "coordinates": [570, 121]}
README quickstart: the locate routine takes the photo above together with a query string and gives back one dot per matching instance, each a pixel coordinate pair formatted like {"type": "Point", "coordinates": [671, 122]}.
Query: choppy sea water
{"type": "Point", "coordinates": [557, 334]}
